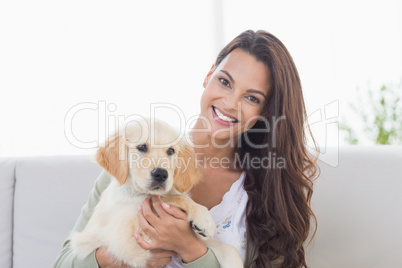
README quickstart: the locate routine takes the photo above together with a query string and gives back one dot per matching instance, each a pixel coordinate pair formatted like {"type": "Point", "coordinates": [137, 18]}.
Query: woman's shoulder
{"type": "Point", "coordinates": [103, 181]}
{"type": "Point", "coordinates": [104, 178]}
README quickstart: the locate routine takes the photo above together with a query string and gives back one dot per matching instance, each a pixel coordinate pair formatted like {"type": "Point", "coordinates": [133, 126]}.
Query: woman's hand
{"type": "Point", "coordinates": [158, 258]}
{"type": "Point", "coordinates": [169, 230]}
{"type": "Point", "coordinates": [107, 260]}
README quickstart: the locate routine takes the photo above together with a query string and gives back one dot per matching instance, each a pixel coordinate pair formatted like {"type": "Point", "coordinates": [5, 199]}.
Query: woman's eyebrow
{"type": "Point", "coordinates": [248, 90]}
{"type": "Point", "coordinates": [256, 92]}
{"type": "Point", "coordinates": [230, 77]}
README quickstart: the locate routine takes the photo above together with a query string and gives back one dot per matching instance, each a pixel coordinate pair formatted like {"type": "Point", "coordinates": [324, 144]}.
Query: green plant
{"type": "Point", "coordinates": [381, 115]}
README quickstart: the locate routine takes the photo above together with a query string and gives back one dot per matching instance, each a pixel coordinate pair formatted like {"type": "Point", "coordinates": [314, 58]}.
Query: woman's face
{"type": "Point", "coordinates": [234, 96]}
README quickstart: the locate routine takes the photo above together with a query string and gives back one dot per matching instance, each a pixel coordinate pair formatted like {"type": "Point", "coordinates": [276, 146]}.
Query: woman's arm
{"type": "Point", "coordinates": [66, 257]}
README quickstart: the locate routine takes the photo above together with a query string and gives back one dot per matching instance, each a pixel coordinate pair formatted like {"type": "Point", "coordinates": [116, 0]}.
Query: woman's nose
{"type": "Point", "coordinates": [231, 102]}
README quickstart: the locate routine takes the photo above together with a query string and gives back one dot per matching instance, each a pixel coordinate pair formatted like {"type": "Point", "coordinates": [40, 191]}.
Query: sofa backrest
{"type": "Point", "coordinates": [358, 204]}
{"type": "Point", "coordinates": [49, 193]}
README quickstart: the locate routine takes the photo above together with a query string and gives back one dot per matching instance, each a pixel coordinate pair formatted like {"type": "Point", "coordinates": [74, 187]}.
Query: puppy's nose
{"type": "Point", "coordinates": [159, 174]}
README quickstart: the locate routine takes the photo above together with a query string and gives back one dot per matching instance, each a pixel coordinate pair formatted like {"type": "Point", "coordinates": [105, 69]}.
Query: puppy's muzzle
{"type": "Point", "coordinates": [159, 175]}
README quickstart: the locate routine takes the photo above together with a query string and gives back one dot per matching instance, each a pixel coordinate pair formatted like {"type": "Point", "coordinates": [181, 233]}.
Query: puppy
{"type": "Point", "coordinates": [146, 159]}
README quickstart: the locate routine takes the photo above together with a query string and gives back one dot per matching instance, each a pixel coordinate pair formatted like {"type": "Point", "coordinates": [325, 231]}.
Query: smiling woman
{"type": "Point", "coordinates": [252, 109]}
{"type": "Point", "coordinates": [235, 94]}
{"type": "Point", "coordinates": [278, 208]}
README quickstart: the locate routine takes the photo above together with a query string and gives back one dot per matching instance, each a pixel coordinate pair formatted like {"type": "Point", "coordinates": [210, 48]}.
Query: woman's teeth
{"type": "Point", "coordinates": [224, 117]}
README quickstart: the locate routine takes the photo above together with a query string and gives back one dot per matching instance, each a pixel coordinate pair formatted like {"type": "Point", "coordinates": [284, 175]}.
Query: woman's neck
{"type": "Point", "coordinates": [211, 151]}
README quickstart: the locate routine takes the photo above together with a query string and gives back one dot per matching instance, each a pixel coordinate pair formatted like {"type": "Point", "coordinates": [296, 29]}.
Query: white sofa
{"type": "Point", "coordinates": [358, 205]}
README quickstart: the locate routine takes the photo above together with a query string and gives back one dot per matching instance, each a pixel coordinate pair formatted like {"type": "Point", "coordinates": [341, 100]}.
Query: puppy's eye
{"type": "Point", "coordinates": [142, 148]}
{"type": "Point", "coordinates": [170, 151]}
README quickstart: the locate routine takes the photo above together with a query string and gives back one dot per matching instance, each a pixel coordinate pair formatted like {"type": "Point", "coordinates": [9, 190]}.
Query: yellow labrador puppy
{"type": "Point", "coordinates": [146, 159]}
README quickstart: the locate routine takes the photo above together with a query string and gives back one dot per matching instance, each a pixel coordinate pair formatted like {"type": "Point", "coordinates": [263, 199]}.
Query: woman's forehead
{"type": "Point", "coordinates": [245, 69]}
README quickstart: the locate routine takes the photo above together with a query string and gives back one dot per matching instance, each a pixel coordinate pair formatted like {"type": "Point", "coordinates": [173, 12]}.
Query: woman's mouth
{"type": "Point", "coordinates": [223, 118]}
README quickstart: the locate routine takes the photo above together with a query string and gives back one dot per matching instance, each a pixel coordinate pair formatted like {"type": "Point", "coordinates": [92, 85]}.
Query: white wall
{"type": "Point", "coordinates": [55, 55]}
{"type": "Point", "coordinates": [58, 54]}
{"type": "Point", "coordinates": [338, 46]}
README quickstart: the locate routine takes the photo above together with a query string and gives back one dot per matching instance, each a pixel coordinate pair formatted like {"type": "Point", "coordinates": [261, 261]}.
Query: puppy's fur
{"type": "Point", "coordinates": [145, 160]}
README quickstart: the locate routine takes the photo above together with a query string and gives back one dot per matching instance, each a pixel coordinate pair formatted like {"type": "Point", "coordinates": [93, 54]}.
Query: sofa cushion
{"type": "Point", "coordinates": [7, 168]}
{"type": "Point", "coordinates": [49, 194]}
{"type": "Point", "coordinates": [358, 205]}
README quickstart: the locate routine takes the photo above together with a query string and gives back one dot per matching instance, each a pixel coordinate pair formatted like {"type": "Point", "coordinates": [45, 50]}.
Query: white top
{"type": "Point", "coordinates": [230, 219]}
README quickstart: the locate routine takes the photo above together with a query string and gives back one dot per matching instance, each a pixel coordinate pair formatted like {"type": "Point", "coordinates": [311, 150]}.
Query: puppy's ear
{"type": "Point", "coordinates": [113, 157]}
{"type": "Point", "coordinates": [186, 174]}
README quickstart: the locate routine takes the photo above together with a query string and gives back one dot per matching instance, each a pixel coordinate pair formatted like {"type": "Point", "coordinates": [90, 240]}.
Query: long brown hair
{"type": "Point", "coordinates": [279, 216]}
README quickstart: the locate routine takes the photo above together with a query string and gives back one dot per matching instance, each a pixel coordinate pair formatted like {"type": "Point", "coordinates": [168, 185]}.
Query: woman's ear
{"type": "Point", "coordinates": [113, 157]}
{"type": "Point", "coordinates": [210, 72]}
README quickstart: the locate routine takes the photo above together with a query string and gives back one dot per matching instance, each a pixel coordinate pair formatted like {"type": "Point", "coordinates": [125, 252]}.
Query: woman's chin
{"type": "Point", "coordinates": [223, 136]}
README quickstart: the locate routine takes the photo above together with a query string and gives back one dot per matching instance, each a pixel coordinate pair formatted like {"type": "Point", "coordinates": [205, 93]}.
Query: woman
{"type": "Point", "coordinates": [250, 140]}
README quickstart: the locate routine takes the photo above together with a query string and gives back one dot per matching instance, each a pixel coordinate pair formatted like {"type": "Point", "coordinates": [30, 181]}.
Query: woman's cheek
{"type": "Point", "coordinates": [207, 97]}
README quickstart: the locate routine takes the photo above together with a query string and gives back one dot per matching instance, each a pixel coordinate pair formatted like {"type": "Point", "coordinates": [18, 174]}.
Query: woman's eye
{"type": "Point", "coordinates": [224, 82]}
{"type": "Point", "coordinates": [253, 99]}
{"type": "Point", "coordinates": [142, 148]}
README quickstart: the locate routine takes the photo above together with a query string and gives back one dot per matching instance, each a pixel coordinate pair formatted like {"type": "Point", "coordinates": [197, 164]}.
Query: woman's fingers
{"type": "Point", "coordinates": [156, 202]}
{"type": "Point", "coordinates": [161, 253]}
{"type": "Point", "coordinates": [162, 209]}
{"type": "Point", "coordinates": [144, 244]}
{"type": "Point", "coordinates": [170, 230]}
{"type": "Point", "coordinates": [174, 211]}
{"type": "Point", "coordinates": [160, 257]}
{"type": "Point", "coordinates": [107, 260]}
{"type": "Point", "coordinates": [158, 263]}
{"type": "Point", "coordinates": [146, 227]}
{"type": "Point", "coordinates": [146, 210]}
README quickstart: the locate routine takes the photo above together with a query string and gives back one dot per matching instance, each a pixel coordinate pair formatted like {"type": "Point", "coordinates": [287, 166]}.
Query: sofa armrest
{"type": "Point", "coordinates": [49, 194]}
{"type": "Point", "coordinates": [7, 181]}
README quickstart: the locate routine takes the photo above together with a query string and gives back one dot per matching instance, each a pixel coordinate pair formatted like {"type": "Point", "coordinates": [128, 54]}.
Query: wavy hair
{"type": "Point", "coordinates": [279, 216]}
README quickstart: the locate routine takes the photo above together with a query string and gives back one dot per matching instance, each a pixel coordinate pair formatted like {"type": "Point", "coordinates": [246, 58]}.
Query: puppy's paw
{"type": "Point", "coordinates": [202, 223]}
{"type": "Point", "coordinates": [227, 255]}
